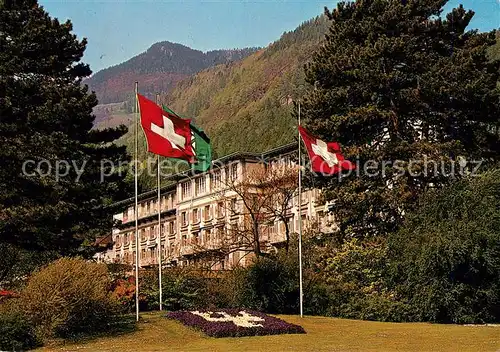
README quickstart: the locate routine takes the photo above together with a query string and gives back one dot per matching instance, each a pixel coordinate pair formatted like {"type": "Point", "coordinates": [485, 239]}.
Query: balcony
{"type": "Point", "coordinates": [187, 250]}
{"type": "Point", "coordinates": [149, 261]}
{"type": "Point", "coordinates": [213, 245]}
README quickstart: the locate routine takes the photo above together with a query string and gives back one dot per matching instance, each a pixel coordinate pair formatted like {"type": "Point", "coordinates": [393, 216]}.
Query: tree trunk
{"type": "Point", "coordinates": [256, 239]}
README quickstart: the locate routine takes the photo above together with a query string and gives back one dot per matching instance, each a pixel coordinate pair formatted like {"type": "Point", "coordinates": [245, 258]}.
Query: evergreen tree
{"type": "Point", "coordinates": [46, 115]}
{"type": "Point", "coordinates": [395, 80]}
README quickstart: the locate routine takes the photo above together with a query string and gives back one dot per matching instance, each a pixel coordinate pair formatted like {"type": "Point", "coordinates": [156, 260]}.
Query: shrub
{"type": "Point", "coordinates": [124, 292]}
{"type": "Point", "coordinates": [69, 296]}
{"type": "Point", "coordinates": [356, 285]}
{"type": "Point", "coordinates": [446, 258]}
{"type": "Point", "coordinates": [269, 284]}
{"type": "Point", "coordinates": [235, 322]}
{"type": "Point", "coordinates": [16, 333]}
{"type": "Point", "coordinates": [183, 288]}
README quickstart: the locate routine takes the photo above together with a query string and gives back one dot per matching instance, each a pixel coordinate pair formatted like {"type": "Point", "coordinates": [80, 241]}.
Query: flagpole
{"type": "Point", "coordinates": [301, 302]}
{"type": "Point", "coordinates": [159, 226]}
{"type": "Point", "coordinates": [136, 154]}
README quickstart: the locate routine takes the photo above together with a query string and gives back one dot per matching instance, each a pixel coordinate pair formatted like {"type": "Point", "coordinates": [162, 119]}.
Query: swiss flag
{"type": "Point", "coordinates": [166, 134]}
{"type": "Point", "coordinates": [325, 156]}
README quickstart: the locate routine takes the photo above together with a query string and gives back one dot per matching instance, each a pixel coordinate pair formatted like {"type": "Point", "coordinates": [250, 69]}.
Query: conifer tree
{"type": "Point", "coordinates": [399, 80]}
{"type": "Point", "coordinates": [46, 116]}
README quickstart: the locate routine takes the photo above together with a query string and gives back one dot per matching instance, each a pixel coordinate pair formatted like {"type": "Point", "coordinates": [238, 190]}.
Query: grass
{"type": "Point", "coordinates": [156, 333]}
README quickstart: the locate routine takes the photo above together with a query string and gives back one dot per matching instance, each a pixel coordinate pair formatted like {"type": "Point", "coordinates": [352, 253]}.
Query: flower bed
{"type": "Point", "coordinates": [234, 322]}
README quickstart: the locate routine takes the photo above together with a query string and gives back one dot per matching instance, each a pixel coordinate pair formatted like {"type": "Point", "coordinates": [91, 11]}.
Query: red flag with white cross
{"type": "Point", "coordinates": [325, 156]}
{"type": "Point", "coordinates": [167, 135]}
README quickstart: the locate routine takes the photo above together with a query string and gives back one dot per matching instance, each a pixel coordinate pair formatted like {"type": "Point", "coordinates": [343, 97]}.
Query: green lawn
{"type": "Point", "coordinates": [156, 333]}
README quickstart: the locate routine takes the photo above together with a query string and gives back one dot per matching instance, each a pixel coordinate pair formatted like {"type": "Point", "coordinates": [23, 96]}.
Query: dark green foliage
{"type": "Point", "coordinates": [396, 82]}
{"type": "Point", "coordinates": [494, 51]}
{"type": "Point", "coordinates": [309, 31]}
{"type": "Point", "coordinates": [268, 285]}
{"type": "Point", "coordinates": [46, 115]}
{"type": "Point", "coordinates": [183, 288]}
{"type": "Point", "coordinates": [16, 333]}
{"type": "Point", "coordinates": [16, 263]}
{"type": "Point", "coordinates": [447, 255]}
{"type": "Point", "coordinates": [353, 283]}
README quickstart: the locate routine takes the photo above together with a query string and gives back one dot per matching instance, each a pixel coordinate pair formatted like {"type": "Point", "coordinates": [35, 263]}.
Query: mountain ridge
{"type": "Point", "coordinates": [158, 69]}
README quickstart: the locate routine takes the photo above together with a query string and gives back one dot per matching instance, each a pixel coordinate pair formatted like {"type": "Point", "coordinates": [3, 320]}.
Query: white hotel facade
{"type": "Point", "coordinates": [194, 219]}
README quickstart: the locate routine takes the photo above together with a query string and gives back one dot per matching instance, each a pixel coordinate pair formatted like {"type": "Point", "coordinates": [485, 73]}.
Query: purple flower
{"type": "Point", "coordinates": [234, 322]}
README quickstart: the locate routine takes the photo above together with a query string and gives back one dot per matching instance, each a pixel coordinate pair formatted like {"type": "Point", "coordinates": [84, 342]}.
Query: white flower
{"type": "Point", "coordinates": [243, 319]}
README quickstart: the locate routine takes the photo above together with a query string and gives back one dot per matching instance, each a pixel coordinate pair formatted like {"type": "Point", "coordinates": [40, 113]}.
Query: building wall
{"type": "Point", "coordinates": [194, 221]}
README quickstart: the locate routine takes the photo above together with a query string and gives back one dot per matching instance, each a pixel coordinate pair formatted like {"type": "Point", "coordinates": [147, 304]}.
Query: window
{"type": "Point", "coordinates": [186, 189]}
{"type": "Point", "coordinates": [207, 212]}
{"type": "Point", "coordinates": [196, 238]}
{"type": "Point", "coordinates": [272, 229]}
{"type": "Point", "coordinates": [219, 233]}
{"type": "Point", "coordinates": [171, 227]}
{"type": "Point", "coordinates": [234, 171]}
{"type": "Point", "coordinates": [200, 185]}
{"type": "Point", "coordinates": [234, 206]}
{"type": "Point", "coordinates": [290, 224]}
{"type": "Point", "coordinates": [215, 180]}
{"type": "Point", "coordinates": [220, 209]}
{"type": "Point", "coordinates": [183, 218]}
{"type": "Point", "coordinates": [196, 216]}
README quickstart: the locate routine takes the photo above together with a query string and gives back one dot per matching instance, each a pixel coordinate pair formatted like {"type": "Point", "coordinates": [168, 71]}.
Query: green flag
{"type": "Point", "coordinates": [202, 146]}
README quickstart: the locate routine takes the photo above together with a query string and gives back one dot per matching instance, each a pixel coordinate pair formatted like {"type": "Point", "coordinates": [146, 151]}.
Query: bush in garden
{"type": "Point", "coordinates": [16, 332]}
{"type": "Point", "coordinates": [446, 258]}
{"type": "Point", "coordinates": [356, 283]}
{"type": "Point", "coordinates": [69, 296]}
{"type": "Point", "coordinates": [183, 288]}
{"type": "Point", "coordinates": [124, 292]}
{"type": "Point", "coordinates": [268, 285]}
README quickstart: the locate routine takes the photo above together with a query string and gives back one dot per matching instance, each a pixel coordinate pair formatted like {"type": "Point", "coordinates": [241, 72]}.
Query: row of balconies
{"type": "Point", "coordinates": [144, 211]}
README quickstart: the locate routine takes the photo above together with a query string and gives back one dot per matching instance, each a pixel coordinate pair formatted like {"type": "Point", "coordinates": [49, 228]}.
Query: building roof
{"type": "Point", "coordinates": [218, 163]}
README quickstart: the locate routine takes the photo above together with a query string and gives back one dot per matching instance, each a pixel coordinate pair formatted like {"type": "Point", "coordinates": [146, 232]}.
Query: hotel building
{"type": "Point", "coordinates": [195, 217]}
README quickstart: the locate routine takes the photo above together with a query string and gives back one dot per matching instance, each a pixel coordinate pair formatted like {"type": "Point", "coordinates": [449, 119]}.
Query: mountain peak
{"type": "Point", "coordinates": [157, 70]}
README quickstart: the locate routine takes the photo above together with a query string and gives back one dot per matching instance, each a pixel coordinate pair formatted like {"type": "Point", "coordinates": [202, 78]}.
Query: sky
{"type": "Point", "coordinates": [117, 30]}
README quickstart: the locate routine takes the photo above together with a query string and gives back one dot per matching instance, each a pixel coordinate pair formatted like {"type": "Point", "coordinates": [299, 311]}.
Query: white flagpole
{"type": "Point", "coordinates": [301, 302]}
{"type": "Point", "coordinates": [137, 244]}
{"type": "Point", "coordinates": [159, 226]}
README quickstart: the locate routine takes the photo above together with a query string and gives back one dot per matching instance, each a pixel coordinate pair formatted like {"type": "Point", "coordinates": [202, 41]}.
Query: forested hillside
{"type": "Point", "coordinates": [244, 105]}
{"type": "Point", "coordinates": [247, 105]}
{"type": "Point", "coordinates": [158, 69]}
